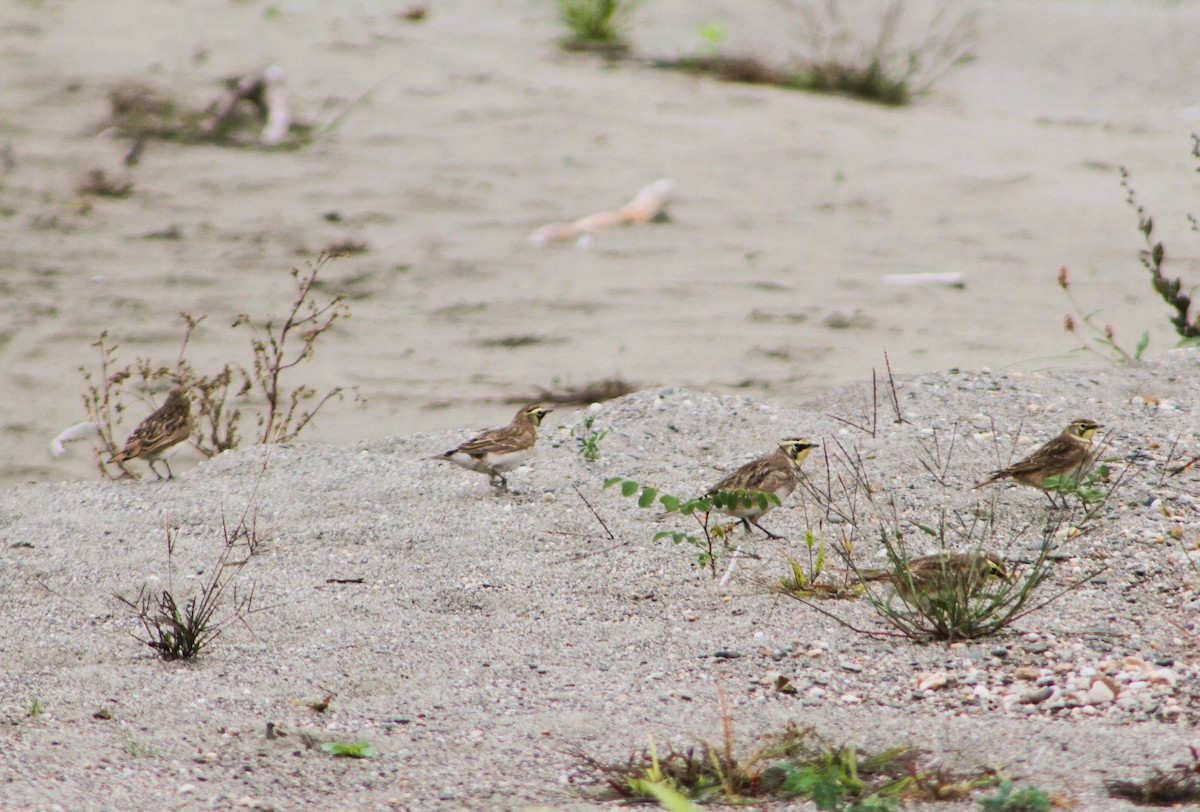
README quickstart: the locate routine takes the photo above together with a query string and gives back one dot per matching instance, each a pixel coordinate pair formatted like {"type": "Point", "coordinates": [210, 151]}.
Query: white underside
{"type": "Point", "coordinates": [491, 462]}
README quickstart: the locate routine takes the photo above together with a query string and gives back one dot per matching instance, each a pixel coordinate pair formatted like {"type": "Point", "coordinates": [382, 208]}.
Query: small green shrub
{"type": "Point", "coordinates": [1008, 799]}
{"type": "Point", "coordinates": [595, 23]}
{"type": "Point", "coordinates": [350, 750]}
{"type": "Point", "coordinates": [712, 543]}
{"type": "Point", "coordinates": [588, 439]}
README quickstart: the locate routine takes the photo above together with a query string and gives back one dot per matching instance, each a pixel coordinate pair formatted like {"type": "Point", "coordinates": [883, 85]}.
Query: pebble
{"type": "Point", "coordinates": [1027, 672]}
{"type": "Point", "coordinates": [1036, 697]}
{"type": "Point", "coordinates": [851, 667]}
{"type": "Point", "coordinates": [934, 682]}
{"type": "Point", "coordinates": [1099, 694]}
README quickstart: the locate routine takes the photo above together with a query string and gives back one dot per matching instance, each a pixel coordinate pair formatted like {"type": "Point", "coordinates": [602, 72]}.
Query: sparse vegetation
{"type": "Point", "coordinates": [1104, 337]}
{"type": "Point", "coordinates": [595, 24]}
{"type": "Point", "coordinates": [803, 579]}
{"type": "Point", "coordinates": [277, 346]}
{"type": "Point", "coordinates": [141, 112]}
{"type": "Point", "coordinates": [35, 708]}
{"type": "Point", "coordinates": [595, 392]}
{"type": "Point", "coordinates": [842, 57]}
{"type": "Point", "coordinates": [1154, 258]}
{"type": "Point", "coordinates": [182, 628]}
{"type": "Point", "coordinates": [793, 763]}
{"type": "Point", "coordinates": [929, 597]}
{"type": "Point", "coordinates": [1009, 799]}
{"type": "Point", "coordinates": [588, 438]}
{"type": "Point", "coordinates": [350, 749]}
{"type": "Point", "coordinates": [1179, 785]}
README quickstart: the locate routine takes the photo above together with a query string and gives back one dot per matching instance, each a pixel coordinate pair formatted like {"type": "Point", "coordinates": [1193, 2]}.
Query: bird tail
{"type": "Point", "coordinates": [994, 476]}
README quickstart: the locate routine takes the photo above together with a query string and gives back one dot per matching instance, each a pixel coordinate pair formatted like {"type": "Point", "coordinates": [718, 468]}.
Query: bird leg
{"type": "Point", "coordinates": [499, 482]}
{"type": "Point", "coordinates": [155, 470]}
{"type": "Point", "coordinates": [770, 535]}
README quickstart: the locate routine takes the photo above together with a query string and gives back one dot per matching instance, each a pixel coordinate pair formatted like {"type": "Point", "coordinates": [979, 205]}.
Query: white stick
{"type": "Point", "coordinates": [733, 559]}
{"type": "Point", "coordinates": [76, 432]}
{"type": "Point", "coordinates": [950, 280]}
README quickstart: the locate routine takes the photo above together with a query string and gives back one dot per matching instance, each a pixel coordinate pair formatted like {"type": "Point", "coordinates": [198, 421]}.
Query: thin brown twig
{"type": "Point", "coordinates": [608, 532]}
{"type": "Point", "coordinates": [892, 385]}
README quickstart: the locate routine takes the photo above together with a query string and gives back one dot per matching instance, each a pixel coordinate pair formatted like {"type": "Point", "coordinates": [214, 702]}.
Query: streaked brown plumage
{"type": "Point", "coordinates": [949, 574]}
{"type": "Point", "coordinates": [500, 450]}
{"type": "Point", "coordinates": [160, 434]}
{"type": "Point", "coordinates": [1068, 454]}
{"type": "Point", "coordinates": [774, 473]}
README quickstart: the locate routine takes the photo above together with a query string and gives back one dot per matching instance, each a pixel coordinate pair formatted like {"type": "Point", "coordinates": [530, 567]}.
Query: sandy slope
{"type": "Point", "coordinates": [476, 128]}
{"type": "Point", "coordinates": [490, 635]}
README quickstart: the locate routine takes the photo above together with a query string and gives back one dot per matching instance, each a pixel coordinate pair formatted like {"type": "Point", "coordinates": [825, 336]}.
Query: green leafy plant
{"type": "Point", "coordinates": [803, 579]}
{"type": "Point", "coordinates": [1009, 799]}
{"type": "Point", "coordinates": [35, 708]}
{"type": "Point", "coordinates": [792, 763]}
{"type": "Point", "coordinates": [588, 439]}
{"type": "Point", "coordinates": [712, 543]}
{"type": "Point", "coordinates": [712, 35]}
{"type": "Point", "coordinates": [350, 749]}
{"type": "Point", "coordinates": [595, 24]}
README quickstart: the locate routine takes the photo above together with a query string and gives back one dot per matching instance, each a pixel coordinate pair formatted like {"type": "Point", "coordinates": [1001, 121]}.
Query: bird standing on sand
{"type": "Point", "coordinates": [774, 474]}
{"type": "Point", "coordinates": [500, 450]}
{"type": "Point", "coordinates": [159, 435]}
{"type": "Point", "coordinates": [1068, 454]}
{"type": "Point", "coordinates": [946, 575]}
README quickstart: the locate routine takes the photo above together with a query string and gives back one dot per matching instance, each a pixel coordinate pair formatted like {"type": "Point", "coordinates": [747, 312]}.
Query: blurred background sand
{"type": "Point", "coordinates": [476, 128]}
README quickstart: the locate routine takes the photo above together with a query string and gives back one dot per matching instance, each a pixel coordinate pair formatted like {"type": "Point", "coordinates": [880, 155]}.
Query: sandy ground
{"type": "Point", "coordinates": [489, 635]}
{"type": "Point", "coordinates": [479, 648]}
{"type": "Point", "coordinates": [475, 128]}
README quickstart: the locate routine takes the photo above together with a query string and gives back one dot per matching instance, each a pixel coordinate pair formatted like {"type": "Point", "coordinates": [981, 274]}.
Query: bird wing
{"type": "Point", "coordinates": [496, 441]}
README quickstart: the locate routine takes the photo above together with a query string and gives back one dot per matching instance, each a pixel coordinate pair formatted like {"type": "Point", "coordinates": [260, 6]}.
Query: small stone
{"type": "Point", "coordinates": [850, 699]}
{"type": "Point", "coordinates": [1027, 672]}
{"type": "Point", "coordinates": [851, 667]}
{"type": "Point", "coordinates": [934, 682]}
{"type": "Point", "coordinates": [1000, 651]}
{"type": "Point", "coordinates": [1164, 676]}
{"type": "Point", "coordinates": [1036, 697]}
{"type": "Point", "coordinates": [1040, 647]}
{"type": "Point", "coordinates": [726, 654]}
{"type": "Point", "coordinates": [186, 789]}
{"type": "Point", "coordinates": [1099, 694]}
{"type": "Point", "coordinates": [103, 713]}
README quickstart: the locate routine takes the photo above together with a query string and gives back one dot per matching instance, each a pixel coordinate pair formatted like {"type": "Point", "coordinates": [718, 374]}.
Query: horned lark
{"type": "Point", "coordinates": [160, 435]}
{"type": "Point", "coordinates": [1070, 453]}
{"type": "Point", "coordinates": [945, 574]}
{"type": "Point", "coordinates": [774, 473]}
{"type": "Point", "coordinates": [500, 450]}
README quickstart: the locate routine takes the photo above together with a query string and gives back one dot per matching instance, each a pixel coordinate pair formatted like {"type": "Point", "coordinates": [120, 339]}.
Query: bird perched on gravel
{"type": "Point", "coordinates": [774, 474]}
{"type": "Point", "coordinates": [944, 574]}
{"type": "Point", "coordinates": [500, 450]}
{"type": "Point", "coordinates": [160, 435]}
{"type": "Point", "coordinates": [1068, 454]}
